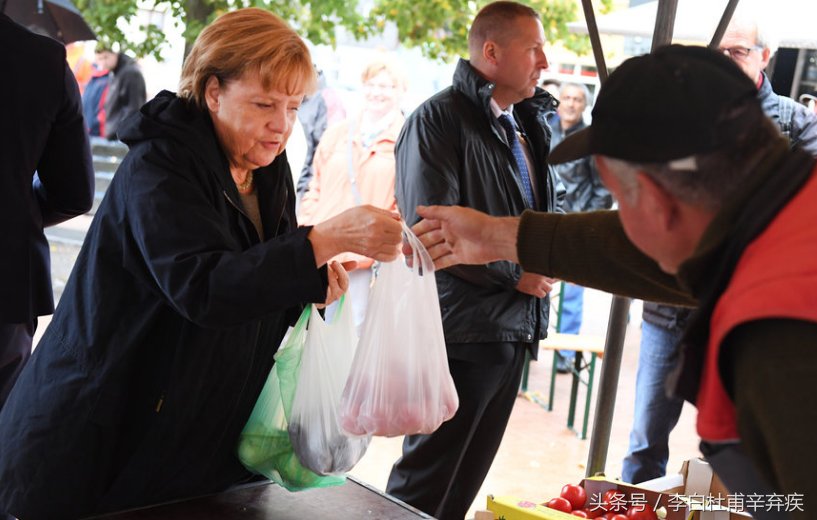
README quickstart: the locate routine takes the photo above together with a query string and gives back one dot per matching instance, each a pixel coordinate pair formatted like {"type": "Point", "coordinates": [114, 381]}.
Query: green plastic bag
{"type": "Point", "coordinates": [264, 446]}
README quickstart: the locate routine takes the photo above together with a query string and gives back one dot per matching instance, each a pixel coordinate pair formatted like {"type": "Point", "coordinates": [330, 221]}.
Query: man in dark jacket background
{"type": "Point", "coordinates": [45, 178]}
{"type": "Point", "coordinates": [126, 91]}
{"type": "Point", "coordinates": [481, 143]}
{"type": "Point", "coordinates": [583, 192]}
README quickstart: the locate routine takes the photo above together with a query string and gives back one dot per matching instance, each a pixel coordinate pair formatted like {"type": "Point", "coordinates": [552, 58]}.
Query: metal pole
{"type": "Point", "coordinates": [664, 23]}
{"type": "Point", "coordinates": [620, 308]}
{"type": "Point", "coordinates": [723, 24]}
{"type": "Point", "coordinates": [608, 386]}
{"type": "Point", "coordinates": [595, 40]}
{"type": "Point", "coordinates": [614, 345]}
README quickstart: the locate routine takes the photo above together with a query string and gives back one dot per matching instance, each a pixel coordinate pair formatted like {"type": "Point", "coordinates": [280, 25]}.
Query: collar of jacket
{"type": "Point", "coordinates": [168, 116]}
{"type": "Point", "coordinates": [479, 90]}
{"type": "Point", "coordinates": [765, 89]}
{"type": "Point", "coordinates": [389, 132]}
{"type": "Point", "coordinates": [122, 61]}
{"type": "Point", "coordinates": [558, 135]}
{"type": "Point", "coordinates": [575, 128]}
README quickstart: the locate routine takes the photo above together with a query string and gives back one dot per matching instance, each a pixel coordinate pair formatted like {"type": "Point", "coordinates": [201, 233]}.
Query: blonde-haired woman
{"type": "Point", "coordinates": [354, 165]}
{"type": "Point", "coordinates": [190, 274]}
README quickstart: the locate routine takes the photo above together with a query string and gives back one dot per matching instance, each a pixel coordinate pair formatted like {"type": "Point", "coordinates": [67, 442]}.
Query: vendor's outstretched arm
{"type": "Point", "coordinates": [589, 249]}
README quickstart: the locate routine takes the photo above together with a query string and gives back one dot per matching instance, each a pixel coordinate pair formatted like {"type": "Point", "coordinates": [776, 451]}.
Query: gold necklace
{"type": "Point", "coordinates": [246, 186]}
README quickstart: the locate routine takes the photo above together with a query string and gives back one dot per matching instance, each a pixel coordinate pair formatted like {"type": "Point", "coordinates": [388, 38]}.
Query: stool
{"type": "Point", "coordinates": [579, 344]}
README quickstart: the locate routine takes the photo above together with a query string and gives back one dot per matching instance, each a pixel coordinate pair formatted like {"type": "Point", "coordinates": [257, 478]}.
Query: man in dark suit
{"type": "Point", "coordinates": [481, 143]}
{"type": "Point", "coordinates": [46, 177]}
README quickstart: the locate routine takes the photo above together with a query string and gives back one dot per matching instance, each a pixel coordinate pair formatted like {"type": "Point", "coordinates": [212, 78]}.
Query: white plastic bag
{"type": "Point", "coordinates": [400, 383]}
{"type": "Point", "coordinates": [314, 428]}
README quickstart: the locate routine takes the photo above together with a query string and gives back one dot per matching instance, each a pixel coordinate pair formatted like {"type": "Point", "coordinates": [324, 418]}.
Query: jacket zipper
{"type": "Point", "coordinates": [233, 204]}
{"type": "Point", "coordinates": [283, 209]}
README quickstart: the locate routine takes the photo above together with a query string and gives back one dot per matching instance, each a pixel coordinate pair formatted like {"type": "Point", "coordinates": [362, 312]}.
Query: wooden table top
{"type": "Point", "coordinates": [354, 500]}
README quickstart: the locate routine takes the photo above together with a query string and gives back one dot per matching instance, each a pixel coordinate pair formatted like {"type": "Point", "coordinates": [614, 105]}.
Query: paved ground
{"type": "Point", "coordinates": [539, 454]}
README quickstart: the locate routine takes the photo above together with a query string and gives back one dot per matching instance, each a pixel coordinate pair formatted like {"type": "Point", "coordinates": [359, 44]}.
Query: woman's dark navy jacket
{"type": "Point", "coordinates": [164, 334]}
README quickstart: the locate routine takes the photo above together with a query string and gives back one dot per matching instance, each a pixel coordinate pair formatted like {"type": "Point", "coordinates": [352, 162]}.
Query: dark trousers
{"type": "Point", "coordinates": [441, 473]}
{"type": "Point", "coordinates": [15, 349]}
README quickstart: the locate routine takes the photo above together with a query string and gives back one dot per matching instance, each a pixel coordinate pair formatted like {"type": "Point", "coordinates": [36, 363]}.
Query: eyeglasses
{"type": "Point", "coordinates": [740, 53]}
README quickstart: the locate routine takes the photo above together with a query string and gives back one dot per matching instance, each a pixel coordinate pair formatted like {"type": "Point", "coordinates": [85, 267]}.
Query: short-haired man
{"type": "Point", "coordinates": [655, 413]}
{"type": "Point", "coordinates": [481, 143]}
{"type": "Point", "coordinates": [126, 89]}
{"type": "Point", "coordinates": [747, 44]}
{"type": "Point", "coordinates": [714, 210]}
{"type": "Point", "coordinates": [584, 192]}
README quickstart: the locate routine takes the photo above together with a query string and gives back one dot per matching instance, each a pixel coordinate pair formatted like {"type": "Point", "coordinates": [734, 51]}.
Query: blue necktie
{"type": "Point", "coordinates": [519, 156]}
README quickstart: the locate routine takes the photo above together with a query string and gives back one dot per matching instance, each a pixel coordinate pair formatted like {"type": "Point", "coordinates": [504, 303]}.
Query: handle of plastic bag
{"type": "Point", "coordinates": [421, 260]}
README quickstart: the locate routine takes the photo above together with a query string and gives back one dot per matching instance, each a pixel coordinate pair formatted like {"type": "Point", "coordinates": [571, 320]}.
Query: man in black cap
{"type": "Point", "coordinates": [749, 44]}
{"type": "Point", "coordinates": [715, 210]}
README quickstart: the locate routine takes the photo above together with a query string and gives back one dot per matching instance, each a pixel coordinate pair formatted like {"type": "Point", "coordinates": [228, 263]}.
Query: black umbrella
{"type": "Point", "coordinates": [59, 19]}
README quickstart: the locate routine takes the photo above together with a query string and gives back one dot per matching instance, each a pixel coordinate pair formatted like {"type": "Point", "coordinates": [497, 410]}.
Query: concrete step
{"type": "Point", "coordinates": [63, 258]}
{"type": "Point", "coordinates": [65, 236]}
{"type": "Point", "coordinates": [103, 147]}
{"type": "Point", "coordinates": [102, 180]}
{"type": "Point", "coordinates": [106, 163]}
{"type": "Point", "coordinates": [107, 156]}
{"type": "Point", "coordinates": [65, 241]}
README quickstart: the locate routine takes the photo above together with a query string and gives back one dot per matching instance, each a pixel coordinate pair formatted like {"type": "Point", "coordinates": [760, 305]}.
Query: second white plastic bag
{"type": "Point", "coordinates": [399, 382]}
{"type": "Point", "coordinates": [314, 428]}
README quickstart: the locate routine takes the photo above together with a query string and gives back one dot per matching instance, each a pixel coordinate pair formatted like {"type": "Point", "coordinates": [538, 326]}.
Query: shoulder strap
{"type": "Point", "coordinates": [350, 161]}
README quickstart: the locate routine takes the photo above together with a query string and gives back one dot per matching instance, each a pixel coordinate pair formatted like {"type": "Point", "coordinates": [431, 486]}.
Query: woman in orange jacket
{"type": "Point", "coordinates": [354, 165]}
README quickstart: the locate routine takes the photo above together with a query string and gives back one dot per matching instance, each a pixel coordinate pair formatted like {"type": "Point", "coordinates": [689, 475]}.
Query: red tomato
{"type": "Point", "coordinates": [581, 513]}
{"type": "Point", "coordinates": [618, 517]}
{"type": "Point", "coordinates": [641, 512]}
{"type": "Point", "coordinates": [559, 504]}
{"type": "Point", "coordinates": [594, 511]}
{"type": "Point", "coordinates": [614, 501]}
{"type": "Point", "coordinates": [576, 495]}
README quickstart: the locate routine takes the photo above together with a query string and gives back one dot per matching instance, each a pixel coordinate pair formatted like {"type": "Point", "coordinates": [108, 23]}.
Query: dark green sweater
{"type": "Point", "coordinates": [766, 365]}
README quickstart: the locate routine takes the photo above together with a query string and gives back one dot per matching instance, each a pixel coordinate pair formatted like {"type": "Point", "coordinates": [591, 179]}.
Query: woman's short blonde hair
{"type": "Point", "coordinates": [381, 64]}
{"type": "Point", "coordinates": [245, 41]}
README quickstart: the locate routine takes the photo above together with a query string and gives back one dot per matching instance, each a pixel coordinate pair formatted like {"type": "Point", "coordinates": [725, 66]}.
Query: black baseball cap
{"type": "Point", "coordinates": [666, 105]}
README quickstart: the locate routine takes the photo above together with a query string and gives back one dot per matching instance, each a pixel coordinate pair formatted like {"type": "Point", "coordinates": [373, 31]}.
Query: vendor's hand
{"type": "Point", "coordinates": [365, 230]}
{"type": "Point", "coordinates": [535, 284]}
{"type": "Point", "coordinates": [337, 275]}
{"type": "Point", "coordinates": [457, 235]}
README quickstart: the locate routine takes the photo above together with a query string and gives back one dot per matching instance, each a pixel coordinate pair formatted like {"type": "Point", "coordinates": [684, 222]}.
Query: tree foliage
{"type": "Point", "coordinates": [438, 27]}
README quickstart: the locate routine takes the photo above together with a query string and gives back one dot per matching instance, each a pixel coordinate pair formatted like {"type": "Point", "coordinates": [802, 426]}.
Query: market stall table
{"type": "Point", "coordinates": [265, 500]}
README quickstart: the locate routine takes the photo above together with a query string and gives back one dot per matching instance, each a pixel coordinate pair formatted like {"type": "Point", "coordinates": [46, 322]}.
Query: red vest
{"type": "Point", "coordinates": [776, 277]}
